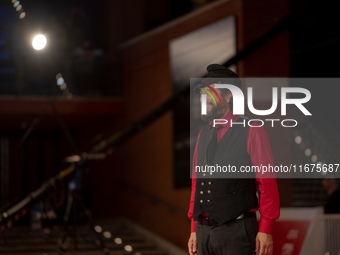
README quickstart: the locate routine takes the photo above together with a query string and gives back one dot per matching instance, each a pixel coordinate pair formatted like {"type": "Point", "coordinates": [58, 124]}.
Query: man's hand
{"type": "Point", "coordinates": [264, 244]}
{"type": "Point", "coordinates": [192, 244]}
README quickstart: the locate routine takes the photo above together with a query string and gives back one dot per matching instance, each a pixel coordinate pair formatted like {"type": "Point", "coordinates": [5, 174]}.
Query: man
{"type": "Point", "coordinates": [222, 210]}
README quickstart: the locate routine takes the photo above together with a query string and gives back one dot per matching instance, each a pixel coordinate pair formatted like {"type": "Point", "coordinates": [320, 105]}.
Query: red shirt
{"type": "Point", "coordinates": [260, 152]}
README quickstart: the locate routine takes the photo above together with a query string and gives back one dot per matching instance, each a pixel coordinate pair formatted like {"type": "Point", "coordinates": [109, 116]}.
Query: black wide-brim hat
{"type": "Point", "coordinates": [218, 74]}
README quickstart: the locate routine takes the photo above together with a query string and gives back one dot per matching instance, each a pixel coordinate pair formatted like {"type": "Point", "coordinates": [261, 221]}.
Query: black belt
{"type": "Point", "coordinates": [211, 222]}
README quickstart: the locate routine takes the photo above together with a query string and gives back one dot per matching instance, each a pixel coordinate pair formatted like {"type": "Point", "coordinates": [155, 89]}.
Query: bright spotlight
{"type": "Point", "coordinates": [39, 42]}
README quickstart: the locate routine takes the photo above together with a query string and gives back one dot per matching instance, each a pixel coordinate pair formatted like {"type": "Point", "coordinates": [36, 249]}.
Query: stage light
{"type": "Point", "coordinates": [298, 139]}
{"type": "Point", "coordinates": [314, 158]}
{"type": "Point", "coordinates": [128, 247]}
{"type": "Point", "coordinates": [39, 42]}
{"type": "Point", "coordinates": [13, 1]}
{"type": "Point", "coordinates": [19, 8]}
{"type": "Point", "coordinates": [107, 234]}
{"type": "Point", "coordinates": [59, 75]}
{"type": "Point", "coordinates": [16, 4]}
{"type": "Point", "coordinates": [73, 159]}
{"type": "Point", "coordinates": [60, 81]}
{"type": "Point", "coordinates": [72, 186]}
{"type": "Point", "coordinates": [63, 86]}
{"type": "Point", "coordinates": [308, 152]}
{"type": "Point", "coordinates": [98, 229]}
{"type": "Point", "coordinates": [22, 15]}
{"type": "Point", "coordinates": [118, 240]}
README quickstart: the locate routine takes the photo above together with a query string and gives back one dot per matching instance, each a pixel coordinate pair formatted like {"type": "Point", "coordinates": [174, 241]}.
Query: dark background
{"type": "Point", "coordinates": [130, 78]}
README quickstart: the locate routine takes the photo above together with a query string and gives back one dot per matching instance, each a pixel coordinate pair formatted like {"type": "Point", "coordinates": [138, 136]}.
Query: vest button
{"type": "Point", "coordinates": [204, 174]}
{"type": "Point", "coordinates": [201, 201]}
{"type": "Point", "coordinates": [209, 191]}
{"type": "Point", "coordinates": [209, 183]}
{"type": "Point", "coordinates": [206, 164]}
{"type": "Point", "coordinates": [210, 173]}
{"type": "Point", "coordinates": [202, 183]}
{"type": "Point", "coordinates": [201, 192]}
{"type": "Point", "coordinates": [208, 200]}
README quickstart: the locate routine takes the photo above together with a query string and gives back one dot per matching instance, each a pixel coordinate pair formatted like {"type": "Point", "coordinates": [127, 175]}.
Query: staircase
{"type": "Point", "coordinates": [119, 236]}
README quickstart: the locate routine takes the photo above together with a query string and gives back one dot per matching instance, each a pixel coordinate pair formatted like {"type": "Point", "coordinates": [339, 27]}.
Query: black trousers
{"type": "Point", "coordinates": [233, 238]}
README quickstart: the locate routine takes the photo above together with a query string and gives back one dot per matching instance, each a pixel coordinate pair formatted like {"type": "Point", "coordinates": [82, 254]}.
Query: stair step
{"type": "Point", "coordinates": [21, 240]}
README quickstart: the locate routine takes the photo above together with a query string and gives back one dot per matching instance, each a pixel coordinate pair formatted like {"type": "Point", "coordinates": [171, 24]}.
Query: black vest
{"type": "Point", "coordinates": [225, 198]}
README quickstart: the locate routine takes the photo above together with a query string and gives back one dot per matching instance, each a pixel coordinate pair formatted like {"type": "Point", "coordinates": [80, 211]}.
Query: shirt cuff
{"type": "Point", "coordinates": [266, 225]}
{"type": "Point", "coordinates": [193, 226]}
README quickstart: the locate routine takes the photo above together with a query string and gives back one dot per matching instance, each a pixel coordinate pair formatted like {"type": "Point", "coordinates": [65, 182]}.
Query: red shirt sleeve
{"type": "Point", "coordinates": [193, 187]}
{"type": "Point", "coordinates": [259, 149]}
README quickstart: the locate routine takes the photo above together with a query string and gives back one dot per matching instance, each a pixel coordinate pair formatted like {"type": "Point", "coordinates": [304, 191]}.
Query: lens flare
{"type": "Point", "coordinates": [60, 81]}
{"type": "Point", "coordinates": [39, 42]}
{"type": "Point", "coordinates": [22, 15]}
